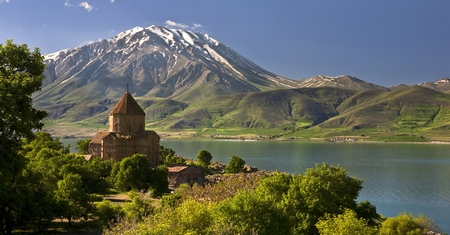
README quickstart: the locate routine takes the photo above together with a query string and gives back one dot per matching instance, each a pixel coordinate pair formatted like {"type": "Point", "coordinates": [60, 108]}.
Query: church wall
{"type": "Point", "coordinates": [126, 146]}
{"type": "Point", "coordinates": [150, 147]}
{"type": "Point", "coordinates": [95, 149]}
{"type": "Point", "coordinates": [126, 123]}
{"type": "Point", "coordinates": [109, 148]}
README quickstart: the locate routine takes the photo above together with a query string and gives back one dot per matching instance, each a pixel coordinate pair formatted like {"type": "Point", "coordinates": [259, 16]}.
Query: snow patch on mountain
{"type": "Point", "coordinates": [219, 58]}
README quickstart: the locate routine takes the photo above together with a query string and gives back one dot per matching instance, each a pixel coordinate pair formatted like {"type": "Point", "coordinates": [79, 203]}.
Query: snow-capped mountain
{"type": "Point", "coordinates": [342, 81]}
{"type": "Point", "coordinates": [439, 85]}
{"type": "Point", "coordinates": [442, 85]}
{"type": "Point", "coordinates": [154, 61]}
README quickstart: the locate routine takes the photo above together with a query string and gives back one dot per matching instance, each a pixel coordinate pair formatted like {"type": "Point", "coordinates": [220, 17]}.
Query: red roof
{"type": "Point", "coordinates": [127, 105]}
{"type": "Point", "coordinates": [98, 138]}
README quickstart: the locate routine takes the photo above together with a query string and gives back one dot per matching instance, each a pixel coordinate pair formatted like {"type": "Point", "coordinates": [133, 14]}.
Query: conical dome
{"type": "Point", "coordinates": [127, 105]}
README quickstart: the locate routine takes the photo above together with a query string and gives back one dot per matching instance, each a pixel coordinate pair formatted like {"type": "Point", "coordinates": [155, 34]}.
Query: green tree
{"type": "Point", "coordinates": [344, 224]}
{"type": "Point", "coordinates": [40, 140]}
{"type": "Point", "coordinates": [140, 207]}
{"type": "Point", "coordinates": [368, 211]}
{"type": "Point", "coordinates": [250, 212]}
{"type": "Point", "coordinates": [173, 159]}
{"type": "Point", "coordinates": [107, 212]}
{"type": "Point", "coordinates": [21, 74]}
{"type": "Point", "coordinates": [164, 152]}
{"type": "Point", "coordinates": [236, 165]}
{"type": "Point", "coordinates": [204, 158]}
{"type": "Point", "coordinates": [134, 173]}
{"type": "Point", "coordinates": [322, 190]}
{"type": "Point", "coordinates": [407, 224]}
{"type": "Point", "coordinates": [83, 146]}
{"type": "Point", "coordinates": [159, 182]}
{"type": "Point", "coordinates": [72, 199]}
{"type": "Point", "coordinates": [276, 186]}
{"type": "Point", "coordinates": [100, 171]}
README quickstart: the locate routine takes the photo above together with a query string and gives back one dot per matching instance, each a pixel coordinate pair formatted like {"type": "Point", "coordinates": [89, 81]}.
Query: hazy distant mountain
{"type": "Point", "coordinates": [438, 85]}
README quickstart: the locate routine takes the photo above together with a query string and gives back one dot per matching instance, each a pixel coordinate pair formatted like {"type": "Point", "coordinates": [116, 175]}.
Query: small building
{"type": "Point", "coordinates": [185, 174]}
{"type": "Point", "coordinates": [126, 135]}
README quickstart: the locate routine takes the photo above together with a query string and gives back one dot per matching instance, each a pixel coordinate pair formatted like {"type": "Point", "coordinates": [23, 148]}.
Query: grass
{"type": "Point", "coordinates": [387, 134]}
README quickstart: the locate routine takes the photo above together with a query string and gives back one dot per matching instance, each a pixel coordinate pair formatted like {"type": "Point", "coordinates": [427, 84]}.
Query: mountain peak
{"type": "Point", "coordinates": [341, 81]}
{"type": "Point", "coordinates": [156, 61]}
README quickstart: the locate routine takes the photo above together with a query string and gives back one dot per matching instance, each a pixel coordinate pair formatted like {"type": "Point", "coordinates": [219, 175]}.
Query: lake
{"type": "Point", "coordinates": [397, 177]}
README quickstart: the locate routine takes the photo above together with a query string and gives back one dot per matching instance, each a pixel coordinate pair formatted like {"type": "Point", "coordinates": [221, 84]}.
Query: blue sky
{"type": "Point", "coordinates": [386, 42]}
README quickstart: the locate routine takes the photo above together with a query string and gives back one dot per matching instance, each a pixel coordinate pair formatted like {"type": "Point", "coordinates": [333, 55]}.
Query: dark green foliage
{"type": "Point", "coordinates": [173, 159]}
{"type": "Point", "coordinates": [59, 184]}
{"type": "Point", "coordinates": [367, 211]}
{"type": "Point", "coordinates": [172, 200]}
{"type": "Point", "coordinates": [134, 173]}
{"type": "Point", "coordinates": [72, 199]}
{"type": "Point", "coordinates": [21, 74]}
{"type": "Point", "coordinates": [40, 140]}
{"type": "Point", "coordinates": [204, 158]}
{"type": "Point", "coordinates": [159, 183]}
{"type": "Point", "coordinates": [83, 146]}
{"type": "Point", "coordinates": [236, 165]}
{"type": "Point", "coordinates": [168, 156]}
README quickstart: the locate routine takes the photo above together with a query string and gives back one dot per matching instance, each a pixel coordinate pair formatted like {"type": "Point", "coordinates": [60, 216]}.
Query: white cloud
{"type": "Point", "coordinates": [112, 1]}
{"type": "Point", "coordinates": [173, 24]}
{"type": "Point", "coordinates": [1, 1]}
{"type": "Point", "coordinates": [176, 25]}
{"type": "Point", "coordinates": [67, 4]}
{"type": "Point", "coordinates": [197, 26]}
{"type": "Point", "coordinates": [86, 6]}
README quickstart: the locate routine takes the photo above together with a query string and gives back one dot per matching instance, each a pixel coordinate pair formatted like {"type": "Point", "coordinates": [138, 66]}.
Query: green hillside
{"type": "Point", "coordinates": [411, 113]}
{"type": "Point", "coordinates": [293, 108]}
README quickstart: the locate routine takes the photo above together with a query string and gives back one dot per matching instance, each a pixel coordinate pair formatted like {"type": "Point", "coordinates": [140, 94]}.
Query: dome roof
{"type": "Point", "coordinates": [127, 105]}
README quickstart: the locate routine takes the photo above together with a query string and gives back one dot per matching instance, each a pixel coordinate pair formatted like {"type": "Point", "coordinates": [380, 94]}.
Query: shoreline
{"type": "Point", "coordinates": [73, 132]}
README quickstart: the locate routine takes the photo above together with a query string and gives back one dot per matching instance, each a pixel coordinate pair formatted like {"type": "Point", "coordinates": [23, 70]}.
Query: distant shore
{"type": "Point", "coordinates": [66, 132]}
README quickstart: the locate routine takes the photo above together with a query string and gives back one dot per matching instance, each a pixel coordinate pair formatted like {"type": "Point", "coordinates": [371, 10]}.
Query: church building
{"type": "Point", "coordinates": [126, 135]}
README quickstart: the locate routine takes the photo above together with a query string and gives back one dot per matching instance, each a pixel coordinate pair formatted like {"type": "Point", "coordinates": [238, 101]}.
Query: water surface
{"type": "Point", "coordinates": [397, 177]}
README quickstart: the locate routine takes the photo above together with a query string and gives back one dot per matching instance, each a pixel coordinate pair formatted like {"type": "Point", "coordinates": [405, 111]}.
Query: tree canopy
{"type": "Point", "coordinates": [21, 74]}
{"type": "Point", "coordinates": [236, 165]}
{"type": "Point", "coordinates": [204, 158]}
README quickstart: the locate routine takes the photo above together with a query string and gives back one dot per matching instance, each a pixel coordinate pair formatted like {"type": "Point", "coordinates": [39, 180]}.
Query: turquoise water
{"type": "Point", "coordinates": [397, 177]}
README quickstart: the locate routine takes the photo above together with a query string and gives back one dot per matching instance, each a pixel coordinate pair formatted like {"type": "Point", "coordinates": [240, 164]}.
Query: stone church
{"type": "Point", "coordinates": [126, 135]}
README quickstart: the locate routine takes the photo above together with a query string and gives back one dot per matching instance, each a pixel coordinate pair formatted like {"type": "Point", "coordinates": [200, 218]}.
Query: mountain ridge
{"type": "Point", "coordinates": [184, 79]}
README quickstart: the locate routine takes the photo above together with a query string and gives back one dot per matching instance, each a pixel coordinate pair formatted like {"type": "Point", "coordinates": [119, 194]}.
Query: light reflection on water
{"type": "Point", "coordinates": [397, 177]}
